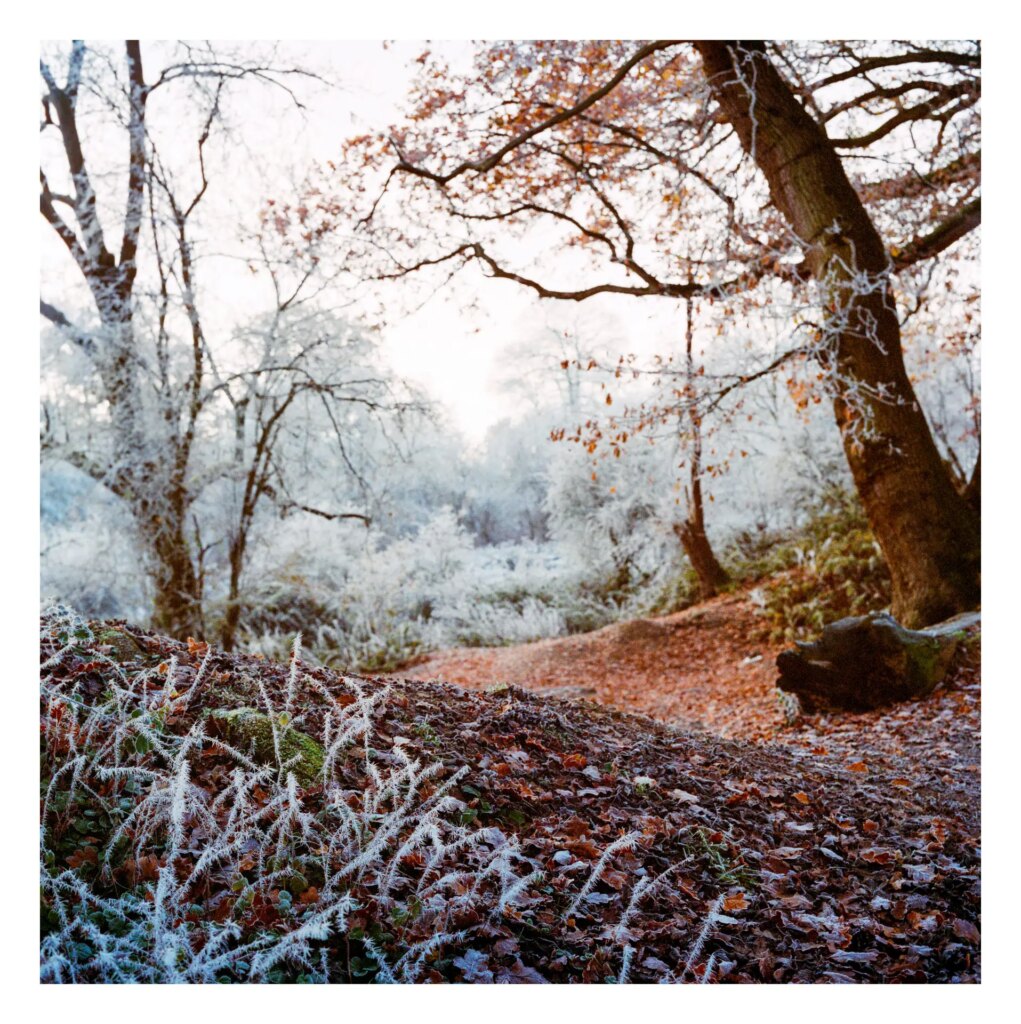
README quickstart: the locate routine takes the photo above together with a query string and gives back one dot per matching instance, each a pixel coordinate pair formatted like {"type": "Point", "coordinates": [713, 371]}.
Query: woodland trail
{"type": "Point", "coordinates": [896, 790]}
{"type": "Point", "coordinates": [699, 667]}
{"type": "Point", "coordinates": [702, 669]}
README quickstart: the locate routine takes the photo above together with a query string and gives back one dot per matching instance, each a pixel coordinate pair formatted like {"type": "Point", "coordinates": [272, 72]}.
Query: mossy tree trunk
{"type": "Point", "coordinates": [928, 532]}
{"type": "Point", "coordinates": [869, 661]}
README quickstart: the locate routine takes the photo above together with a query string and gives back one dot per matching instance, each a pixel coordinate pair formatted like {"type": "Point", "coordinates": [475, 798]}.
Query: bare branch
{"type": "Point", "coordinates": [953, 58]}
{"type": "Point", "coordinates": [81, 338]}
{"type": "Point", "coordinates": [135, 202]}
{"type": "Point", "coordinates": [966, 168]}
{"type": "Point", "coordinates": [367, 520]}
{"type": "Point", "coordinates": [955, 227]}
{"type": "Point", "coordinates": [63, 230]}
{"type": "Point", "coordinates": [63, 102]}
{"type": "Point", "coordinates": [934, 109]}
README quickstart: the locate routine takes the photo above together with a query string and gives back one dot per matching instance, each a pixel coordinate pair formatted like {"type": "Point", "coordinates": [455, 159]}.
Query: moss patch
{"type": "Point", "coordinates": [252, 733]}
{"type": "Point", "coordinates": [123, 646]}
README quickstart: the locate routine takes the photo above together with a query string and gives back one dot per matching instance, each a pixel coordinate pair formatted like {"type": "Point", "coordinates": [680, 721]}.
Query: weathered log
{"type": "Point", "coordinates": [869, 661]}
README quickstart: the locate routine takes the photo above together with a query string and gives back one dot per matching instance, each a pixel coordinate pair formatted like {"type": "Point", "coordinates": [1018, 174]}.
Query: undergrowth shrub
{"type": "Point", "coordinates": [195, 832]}
{"type": "Point", "coordinates": [436, 590]}
{"type": "Point", "coordinates": [399, 598]}
{"type": "Point", "coordinates": [832, 568]}
{"type": "Point", "coordinates": [407, 599]}
{"type": "Point", "coordinates": [149, 876]}
{"type": "Point", "coordinates": [363, 642]}
{"type": "Point", "coordinates": [485, 622]}
{"type": "Point", "coordinates": [677, 593]}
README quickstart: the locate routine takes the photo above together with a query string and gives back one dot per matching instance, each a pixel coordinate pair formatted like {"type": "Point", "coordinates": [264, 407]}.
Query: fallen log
{"type": "Point", "coordinates": [869, 661]}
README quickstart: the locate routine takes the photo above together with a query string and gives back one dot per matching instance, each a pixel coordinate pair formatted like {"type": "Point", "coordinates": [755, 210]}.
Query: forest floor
{"type": "Point", "coordinates": [912, 771]}
{"type": "Point", "coordinates": [700, 667]}
{"type": "Point", "coordinates": [838, 849]}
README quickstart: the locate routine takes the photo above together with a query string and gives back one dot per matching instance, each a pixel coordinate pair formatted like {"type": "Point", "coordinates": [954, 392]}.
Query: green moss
{"type": "Point", "coordinates": [123, 646]}
{"type": "Point", "coordinates": [928, 658]}
{"type": "Point", "coordinates": [252, 732]}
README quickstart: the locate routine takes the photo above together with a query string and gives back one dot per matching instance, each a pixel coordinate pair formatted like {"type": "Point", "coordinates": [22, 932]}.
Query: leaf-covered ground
{"type": "Point", "coordinates": [846, 852]}
{"type": "Point", "coordinates": [706, 666]}
{"type": "Point", "coordinates": [867, 788]}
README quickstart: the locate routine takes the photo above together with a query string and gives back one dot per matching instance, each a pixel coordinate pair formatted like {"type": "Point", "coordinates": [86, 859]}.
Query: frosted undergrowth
{"type": "Point", "coordinates": [185, 884]}
{"type": "Point", "coordinates": [170, 853]}
{"type": "Point", "coordinates": [645, 887]}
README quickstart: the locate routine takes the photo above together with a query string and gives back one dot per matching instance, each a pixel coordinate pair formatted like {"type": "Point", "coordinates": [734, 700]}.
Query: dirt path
{"type": "Point", "coordinates": [904, 782]}
{"type": "Point", "coordinates": [699, 670]}
{"type": "Point", "coordinates": [697, 667]}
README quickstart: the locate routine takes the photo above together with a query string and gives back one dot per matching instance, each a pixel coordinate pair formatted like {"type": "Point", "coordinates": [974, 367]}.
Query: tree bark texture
{"type": "Point", "coordinates": [929, 533]}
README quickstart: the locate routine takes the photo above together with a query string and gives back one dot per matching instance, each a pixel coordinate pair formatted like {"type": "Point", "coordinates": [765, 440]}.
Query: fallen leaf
{"type": "Point", "coordinates": [736, 901]}
{"type": "Point", "coordinates": [878, 855]}
{"type": "Point", "coordinates": [965, 930]}
{"type": "Point", "coordinates": [787, 852]}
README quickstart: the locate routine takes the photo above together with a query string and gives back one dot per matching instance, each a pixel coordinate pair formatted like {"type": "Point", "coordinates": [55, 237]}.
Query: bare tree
{"type": "Point", "coordinates": [692, 530]}
{"type": "Point", "coordinates": [312, 374]}
{"type": "Point", "coordinates": [147, 471]}
{"type": "Point", "coordinates": [162, 395]}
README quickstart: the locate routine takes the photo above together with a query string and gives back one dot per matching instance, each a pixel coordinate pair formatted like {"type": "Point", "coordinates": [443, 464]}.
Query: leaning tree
{"type": "Point", "coordinates": [817, 178]}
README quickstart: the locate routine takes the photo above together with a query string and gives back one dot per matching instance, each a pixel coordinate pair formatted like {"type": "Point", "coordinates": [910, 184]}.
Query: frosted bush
{"type": "Point", "coordinates": [367, 643]}
{"type": "Point", "coordinates": [379, 607]}
{"type": "Point", "coordinates": [392, 601]}
{"type": "Point", "coordinates": [88, 555]}
{"type": "Point", "coordinates": [472, 621]}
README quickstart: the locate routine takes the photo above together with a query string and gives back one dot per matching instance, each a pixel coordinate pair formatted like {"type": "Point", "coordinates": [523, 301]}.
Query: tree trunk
{"type": "Point", "coordinates": [177, 610]}
{"type": "Point", "coordinates": [232, 616]}
{"type": "Point", "coordinates": [711, 575]}
{"type": "Point", "coordinates": [973, 492]}
{"type": "Point", "coordinates": [144, 475]}
{"type": "Point", "coordinates": [691, 533]}
{"type": "Point", "coordinates": [929, 534]}
{"type": "Point", "coordinates": [177, 602]}
{"type": "Point", "coordinates": [231, 619]}
{"type": "Point", "coordinates": [146, 471]}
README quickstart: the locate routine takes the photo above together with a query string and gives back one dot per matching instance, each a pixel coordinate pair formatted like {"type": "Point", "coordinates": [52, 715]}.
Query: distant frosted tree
{"type": "Point", "coordinates": [154, 393]}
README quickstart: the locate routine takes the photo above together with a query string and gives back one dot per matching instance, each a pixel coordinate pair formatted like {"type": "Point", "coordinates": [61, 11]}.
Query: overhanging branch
{"type": "Point", "coordinates": [81, 338]}
{"type": "Point", "coordinates": [955, 227]}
